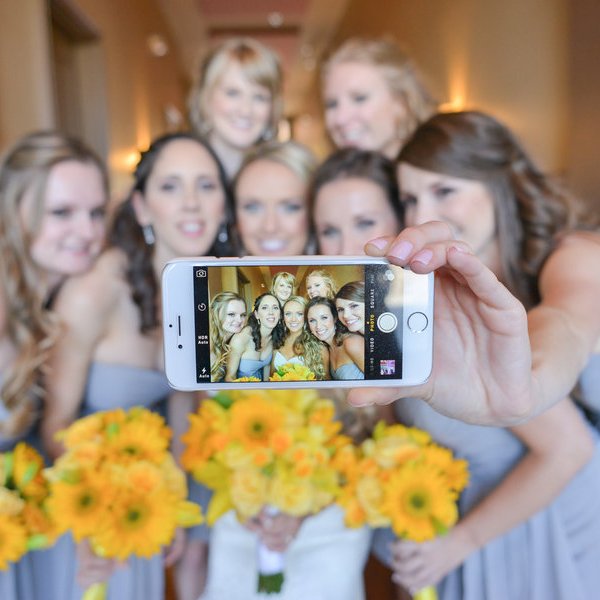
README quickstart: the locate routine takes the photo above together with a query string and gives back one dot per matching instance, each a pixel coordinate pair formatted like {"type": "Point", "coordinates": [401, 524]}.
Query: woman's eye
{"type": "Point", "coordinates": [99, 213]}
{"type": "Point", "coordinates": [207, 185]}
{"type": "Point", "coordinates": [443, 192]}
{"type": "Point", "coordinates": [232, 92]}
{"type": "Point", "coordinates": [168, 186]}
{"type": "Point", "coordinates": [263, 98]}
{"type": "Point", "coordinates": [328, 232]}
{"type": "Point", "coordinates": [360, 98]}
{"type": "Point", "coordinates": [365, 223]}
{"type": "Point", "coordinates": [251, 207]}
{"type": "Point", "coordinates": [330, 104]}
{"type": "Point", "coordinates": [292, 207]}
{"type": "Point", "coordinates": [407, 200]}
{"type": "Point", "coordinates": [62, 213]}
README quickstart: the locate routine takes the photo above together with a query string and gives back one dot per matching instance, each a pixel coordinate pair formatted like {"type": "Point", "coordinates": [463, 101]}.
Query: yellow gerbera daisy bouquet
{"type": "Point", "coordinates": [399, 478]}
{"type": "Point", "coordinates": [259, 449]}
{"type": "Point", "coordinates": [118, 486]}
{"type": "Point", "coordinates": [24, 521]}
{"type": "Point", "coordinates": [292, 372]}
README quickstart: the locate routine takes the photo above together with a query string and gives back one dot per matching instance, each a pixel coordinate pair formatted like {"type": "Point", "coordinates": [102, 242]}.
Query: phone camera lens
{"type": "Point", "coordinates": [180, 346]}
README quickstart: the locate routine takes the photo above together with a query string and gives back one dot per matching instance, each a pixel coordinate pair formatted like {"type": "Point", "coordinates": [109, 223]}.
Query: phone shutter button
{"type": "Point", "coordinates": [417, 322]}
{"type": "Point", "coordinates": [387, 322]}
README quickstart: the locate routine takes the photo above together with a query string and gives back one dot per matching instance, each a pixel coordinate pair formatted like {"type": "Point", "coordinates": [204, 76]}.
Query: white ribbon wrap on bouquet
{"type": "Point", "coordinates": [270, 562]}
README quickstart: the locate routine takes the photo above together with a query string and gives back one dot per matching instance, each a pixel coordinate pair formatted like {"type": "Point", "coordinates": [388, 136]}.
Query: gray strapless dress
{"type": "Point", "coordinates": [111, 386]}
{"type": "Point", "coordinates": [250, 367]}
{"type": "Point", "coordinates": [555, 555]}
{"type": "Point", "coordinates": [17, 582]}
{"type": "Point", "coordinates": [347, 371]}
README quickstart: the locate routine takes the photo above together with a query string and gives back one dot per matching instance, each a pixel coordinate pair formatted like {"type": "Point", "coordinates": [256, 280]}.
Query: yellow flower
{"type": "Point", "coordinates": [139, 524]}
{"type": "Point", "coordinates": [292, 372]}
{"type": "Point", "coordinates": [255, 420]}
{"type": "Point", "coordinates": [11, 503]}
{"type": "Point", "coordinates": [13, 540]}
{"type": "Point", "coordinates": [455, 470]}
{"type": "Point", "coordinates": [369, 492]}
{"type": "Point", "coordinates": [291, 495]}
{"type": "Point", "coordinates": [27, 472]}
{"type": "Point", "coordinates": [78, 506]}
{"type": "Point", "coordinates": [248, 491]}
{"type": "Point", "coordinates": [86, 429]}
{"type": "Point", "coordinates": [419, 502]}
{"type": "Point", "coordinates": [134, 440]}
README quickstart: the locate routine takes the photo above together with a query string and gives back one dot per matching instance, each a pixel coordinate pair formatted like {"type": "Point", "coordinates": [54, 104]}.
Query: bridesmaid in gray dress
{"type": "Point", "coordinates": [530, 518]}
{"type": "Point", "coordinates": [53, 192]}
{"type": "Point", "coordinates": [111, 352]}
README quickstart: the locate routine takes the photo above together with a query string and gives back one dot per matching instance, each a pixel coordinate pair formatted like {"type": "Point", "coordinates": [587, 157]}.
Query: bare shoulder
{"type": "Point", "coordinates": [96, 292]}
{"type": "Point", "coordinates": [573, 266]}
{"type": "Point", "coordinates": [354, 343]}
{"type": "Point", "coordinates": [240, 340]}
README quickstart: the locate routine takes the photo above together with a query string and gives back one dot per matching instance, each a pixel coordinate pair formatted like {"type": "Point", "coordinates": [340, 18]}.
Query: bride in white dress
{"type": "Point", "coordinates": [300, 346]}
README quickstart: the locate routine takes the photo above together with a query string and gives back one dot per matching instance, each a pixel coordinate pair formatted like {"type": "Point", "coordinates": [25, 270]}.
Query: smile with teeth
{"type": "Point", "coordinates": [192, 228]}
{"type": "Point", "coordinates": [272, 245]}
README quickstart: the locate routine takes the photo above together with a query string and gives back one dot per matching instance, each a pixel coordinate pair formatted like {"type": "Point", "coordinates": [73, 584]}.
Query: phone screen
{"type": "Point", "coordinates": [297, 323]}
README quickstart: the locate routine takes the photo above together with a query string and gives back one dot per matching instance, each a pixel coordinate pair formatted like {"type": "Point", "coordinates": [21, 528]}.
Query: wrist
{"type": "Point", "coordinates": [466, 539]}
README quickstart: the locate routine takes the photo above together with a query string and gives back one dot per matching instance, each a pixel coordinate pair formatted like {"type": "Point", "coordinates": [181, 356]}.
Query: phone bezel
{"type": "Point", "coordinates": [179, 329]}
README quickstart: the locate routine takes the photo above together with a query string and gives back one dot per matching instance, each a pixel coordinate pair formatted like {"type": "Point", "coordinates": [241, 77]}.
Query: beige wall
{"type": "Point", "coordinates": [127, 88]}
{"type": "Point", "coordinates": [583, 166]}
{"type": "Point", "coordinates": [509, 58]}
{"type": "Point", "coordinates": [25, 80]}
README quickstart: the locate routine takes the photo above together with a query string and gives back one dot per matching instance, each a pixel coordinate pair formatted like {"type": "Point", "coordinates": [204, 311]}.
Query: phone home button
{"type": "Point", "coordinates": [417, 322]}
{"type": "Point", "coordinates": [387, 322]}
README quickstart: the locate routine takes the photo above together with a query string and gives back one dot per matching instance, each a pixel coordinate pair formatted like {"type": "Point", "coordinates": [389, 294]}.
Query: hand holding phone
{"type": "Point", "coordinates": [302, 322]}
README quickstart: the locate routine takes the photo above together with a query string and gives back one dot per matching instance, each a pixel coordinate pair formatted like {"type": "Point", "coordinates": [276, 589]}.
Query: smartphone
{"type": "Point", "coordinates": [302, 322]}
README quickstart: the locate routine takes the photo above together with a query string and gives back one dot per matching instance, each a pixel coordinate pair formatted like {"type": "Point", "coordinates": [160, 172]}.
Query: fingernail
{"type": "Point", "coordinates": [401, 250]}
{"type": "Point", "coordinates": [379, 243]}
{"type": "Point", "coordinates": [424, 257]}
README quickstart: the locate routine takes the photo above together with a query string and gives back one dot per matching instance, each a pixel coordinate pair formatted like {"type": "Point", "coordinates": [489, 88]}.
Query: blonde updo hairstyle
{"type": "Point", "coordinates": [260, 65]}
{"type": "Point", "coordinates": [399, 71]}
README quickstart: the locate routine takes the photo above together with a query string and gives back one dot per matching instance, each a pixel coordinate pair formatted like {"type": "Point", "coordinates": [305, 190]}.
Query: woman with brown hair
{"type": "Point", "coordinates": [111, 354]}
{"type": "Point", "coordinates": [517, 249]}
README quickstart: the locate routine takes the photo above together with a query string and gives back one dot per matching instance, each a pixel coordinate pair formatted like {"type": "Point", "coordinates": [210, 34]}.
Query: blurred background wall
{"type": "Point", "coordinates": [117, 72]}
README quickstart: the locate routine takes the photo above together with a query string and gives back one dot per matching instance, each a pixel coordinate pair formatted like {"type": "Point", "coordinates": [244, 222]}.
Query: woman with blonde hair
{"type": "Point", "coordinates": [271, 207]}
{"type": "Point", "coordinates": [320, 283]}
{"type": "Point", "coordinates": [283, 286]}
{"type": "Point", "coordinates": [228, 316]}
{"type": "Point", "coordinates": [374, 96]}
{"type": "Point", "coordinates": [53, 192]}
{"type": "Point", "coordinates": [236, 102]}
{"type": "Point", "coordinates": [299, 346]}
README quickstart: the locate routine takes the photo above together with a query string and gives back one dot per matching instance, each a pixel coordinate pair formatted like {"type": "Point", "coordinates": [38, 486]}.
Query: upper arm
{"type": "Point", "coordinates": [83, 306]}
{"type": "Point", "coordinates": [354, 345]}
{"type": "Point", "coordinates": [237, 347]}
{"type": "Point", "coordinates": [561, 422]}
{"type": "Point", "coordinates": [565, 327]}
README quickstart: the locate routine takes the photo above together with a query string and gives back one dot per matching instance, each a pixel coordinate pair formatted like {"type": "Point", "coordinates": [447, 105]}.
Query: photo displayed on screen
{"type": "Point", "coordinates": [298, 323]}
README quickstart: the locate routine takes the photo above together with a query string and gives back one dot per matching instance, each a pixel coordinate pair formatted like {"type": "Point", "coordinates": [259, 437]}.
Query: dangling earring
{"type": "Point", "coordinates": [223, 235]}
{"type": "Point", "coordinates": [148, 232]}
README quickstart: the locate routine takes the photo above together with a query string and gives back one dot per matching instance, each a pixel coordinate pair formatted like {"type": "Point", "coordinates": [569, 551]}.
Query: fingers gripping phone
{"type": "Point", "coordinates": [233, 323]}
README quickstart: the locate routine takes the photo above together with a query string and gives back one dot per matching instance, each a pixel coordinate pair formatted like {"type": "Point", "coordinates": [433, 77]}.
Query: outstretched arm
{"type": "Point", "coordinates": [493, 363]}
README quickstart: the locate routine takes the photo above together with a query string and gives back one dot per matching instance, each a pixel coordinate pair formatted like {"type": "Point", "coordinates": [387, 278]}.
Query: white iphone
{"type": "Point", "coordinates": [314, 321]}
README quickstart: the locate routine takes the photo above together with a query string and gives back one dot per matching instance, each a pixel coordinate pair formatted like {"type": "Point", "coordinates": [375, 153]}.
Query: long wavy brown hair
{"type": "Point", "coordinates": [531, 209]}
{"type": "Point", "coordinates": [127, 234]}
{"type": "Point", "coordinates": [28, 322]}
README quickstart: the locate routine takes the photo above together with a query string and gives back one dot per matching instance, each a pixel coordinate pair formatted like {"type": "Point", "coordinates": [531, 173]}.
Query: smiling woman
{"type": "Point", "coordinates": [271, 211]}
{"type": "Point", "coordinates": [236, 101]}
